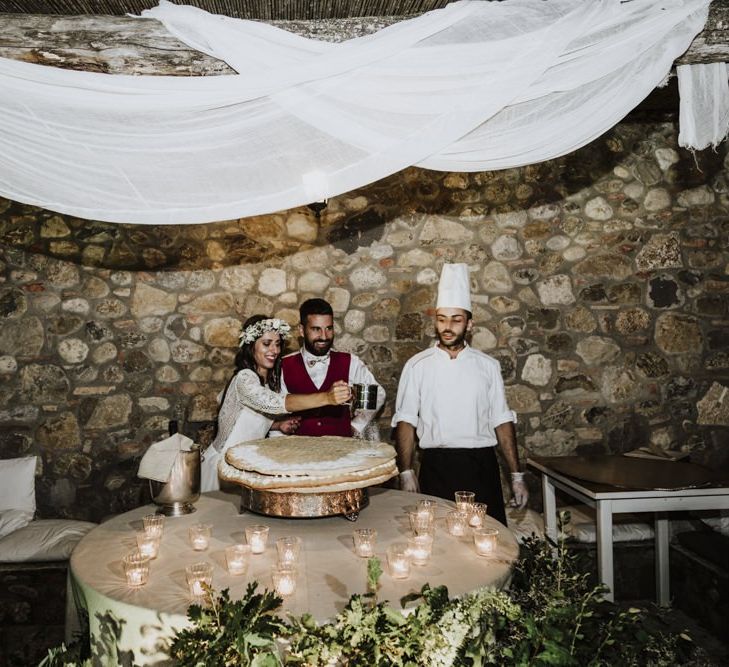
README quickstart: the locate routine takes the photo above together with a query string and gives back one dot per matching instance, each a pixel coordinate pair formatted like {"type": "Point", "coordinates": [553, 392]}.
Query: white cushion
{"type": "Point", "coordinates": [43, 540]}
{"type": "Point", "coordinates": [626, 527]}
{"type": "Point", "coordinates": [12, 520]}
{"type": "Point", "coordinates": [718, 523]}
{"type": "Point", "coordinates": [581, 527]}
{"type": "Point", "coordinates": [17, 484]}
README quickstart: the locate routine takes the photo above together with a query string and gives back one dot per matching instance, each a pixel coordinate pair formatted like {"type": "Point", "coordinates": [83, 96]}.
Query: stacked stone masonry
{"type": "Point", "coordinates": [600, 282]}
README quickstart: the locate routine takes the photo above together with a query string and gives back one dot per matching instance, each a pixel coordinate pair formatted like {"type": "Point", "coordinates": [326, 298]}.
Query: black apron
{"type": "Point", "coordinates": [443, 471]}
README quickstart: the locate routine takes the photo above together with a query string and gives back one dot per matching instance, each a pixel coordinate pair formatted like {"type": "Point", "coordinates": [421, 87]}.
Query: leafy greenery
{"type": "Point", "coordinates": [550, 615]}
{"type": "Point", "coordinates": [241, 632]}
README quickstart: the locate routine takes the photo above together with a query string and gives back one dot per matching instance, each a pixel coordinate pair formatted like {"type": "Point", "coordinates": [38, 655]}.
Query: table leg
{"type": "Point", "coordinates": [605, 546]}
{"type": "Point", "coordinates": [550, 509]}
{"type": "Point", "coordinates": [663, 585]}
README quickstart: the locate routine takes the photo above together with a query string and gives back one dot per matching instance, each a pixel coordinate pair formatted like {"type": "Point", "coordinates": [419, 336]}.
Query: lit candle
{"type": "Point", "coordinates": [485, 540]}
{"type": "Point", "coordinates": [148, 546]}
{"type": "Point", "coordinates": [364, 542]}
{"type": "Point", "coordinates": [421, 522]}
{"type": "Point", "coordinates": [257, 536]}
{"type": "Point", "coordinates": [284, 580]}
{"type": "Point", "coordinates": [200, 536]}
{"type": "Point", "coordinates": [136, 568]}
{"type": "Point", "coordinates": [237, 556]}
{"type": "Point", "coordinates": [288, 550]}
{"type": "Point", "coordinates": [199, 578]}
{"type": "Point", "coordinates": [398, 560]}
{"type": "Point", "coordinates": [427, 504]}
{"type": "Point", "coordinates": [419, 548]}
{"type": "Point", "coordinates": [478, 515]}
{"type": "Point", "coordinates": [464, 500]}
{"type": "Point", "coordinates": [456, 522]}
{"type": "Point", "coordinates": [154, 524]}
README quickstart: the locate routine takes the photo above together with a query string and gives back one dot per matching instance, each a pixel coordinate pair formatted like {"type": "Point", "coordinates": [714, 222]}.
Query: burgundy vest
{"type": "Point", "coordinates": [329, 420]}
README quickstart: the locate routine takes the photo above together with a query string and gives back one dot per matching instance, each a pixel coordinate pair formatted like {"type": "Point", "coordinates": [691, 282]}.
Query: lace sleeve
{"type": "Point", "coordinates": [250, 392]}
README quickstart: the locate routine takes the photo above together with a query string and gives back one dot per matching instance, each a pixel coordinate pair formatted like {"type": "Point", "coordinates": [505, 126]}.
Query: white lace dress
{"type": "Point", "coordinates": [247, 413]}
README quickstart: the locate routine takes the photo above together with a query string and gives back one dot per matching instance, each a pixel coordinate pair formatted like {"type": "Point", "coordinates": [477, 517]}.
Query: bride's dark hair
{"type": "Point", "coordinates": [244, 358]}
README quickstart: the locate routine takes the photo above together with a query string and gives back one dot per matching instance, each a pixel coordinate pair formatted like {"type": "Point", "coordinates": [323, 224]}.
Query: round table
{"type": "Point", "coordinates": [142, 619]}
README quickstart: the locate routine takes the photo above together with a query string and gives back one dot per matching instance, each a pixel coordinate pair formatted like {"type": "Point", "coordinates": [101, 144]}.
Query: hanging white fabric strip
{"type": "Point", "coordinates": [704, 106]}
{"type": "Point", "coordinates": [475, 86]}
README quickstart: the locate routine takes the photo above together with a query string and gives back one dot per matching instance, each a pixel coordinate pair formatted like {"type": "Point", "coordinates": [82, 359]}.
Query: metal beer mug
{"type": "Point", "coordinates": [176, 496]}
{"type": "Point", "coordinates": [364, 396]}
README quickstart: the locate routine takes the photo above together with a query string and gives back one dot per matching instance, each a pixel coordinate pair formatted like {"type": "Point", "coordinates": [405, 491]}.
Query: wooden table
{"type": "Point", "coordinates": [608, 500]}
{"type": "Point", "coordinates": [329, 571]}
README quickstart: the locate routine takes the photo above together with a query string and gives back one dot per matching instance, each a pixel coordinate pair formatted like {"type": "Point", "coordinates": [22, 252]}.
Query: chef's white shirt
{"type": "Point", "coordinates": [358, 374]}
{"type": "Point", "coordinates": [452, 402]}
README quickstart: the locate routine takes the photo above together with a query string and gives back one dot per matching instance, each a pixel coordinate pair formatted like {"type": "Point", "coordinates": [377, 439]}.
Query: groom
{"type": "Point", "coordinates": [316, 367]}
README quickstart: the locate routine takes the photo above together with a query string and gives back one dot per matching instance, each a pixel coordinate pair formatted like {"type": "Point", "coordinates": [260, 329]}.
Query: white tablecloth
{"type": "Point", "coordinates": [329, 571]}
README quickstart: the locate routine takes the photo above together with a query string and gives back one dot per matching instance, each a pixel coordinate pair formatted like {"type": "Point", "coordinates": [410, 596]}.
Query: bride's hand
{"type": "Point", "coordinates": [289, 426]}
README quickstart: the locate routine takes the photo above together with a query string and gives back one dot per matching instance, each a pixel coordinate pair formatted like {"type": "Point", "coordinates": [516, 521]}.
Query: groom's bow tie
{"type": "Point", "coordinates": [313, 361]}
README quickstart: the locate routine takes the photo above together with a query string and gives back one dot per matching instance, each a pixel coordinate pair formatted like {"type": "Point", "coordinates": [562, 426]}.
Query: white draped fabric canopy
{"type": "Point", "coordinates": [475, 86]}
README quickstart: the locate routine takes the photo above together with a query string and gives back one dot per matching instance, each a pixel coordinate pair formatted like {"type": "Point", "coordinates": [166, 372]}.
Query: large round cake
{"type": "Point", "coordinates": [299, 464]}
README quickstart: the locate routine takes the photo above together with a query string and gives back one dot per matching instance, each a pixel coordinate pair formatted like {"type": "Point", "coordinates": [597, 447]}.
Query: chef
{"type": "Point", "coordinates": [316, 367]}
{"type": "Point", "coordinates": [452, 398]}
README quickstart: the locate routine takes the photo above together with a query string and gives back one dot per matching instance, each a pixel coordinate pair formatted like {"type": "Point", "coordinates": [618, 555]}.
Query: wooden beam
{"type": "Point", "coordinates": [119, 44]}
{"type": "Point", "coordinates": [712, 43]}
{"type": "Point", "coordinates": [259, 10]}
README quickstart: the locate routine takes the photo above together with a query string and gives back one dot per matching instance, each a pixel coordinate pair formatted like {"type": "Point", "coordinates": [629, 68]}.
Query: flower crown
{"type": "Point", "coordinates": [254, 331]}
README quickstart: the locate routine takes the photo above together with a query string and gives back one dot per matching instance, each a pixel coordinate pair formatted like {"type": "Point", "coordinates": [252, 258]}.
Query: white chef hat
{"type": "Point", "coordinates": [454, 288]}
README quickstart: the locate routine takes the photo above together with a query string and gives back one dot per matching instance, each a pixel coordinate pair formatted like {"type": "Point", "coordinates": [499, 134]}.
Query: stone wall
{"type": "Point", "coordinates": [600, 281]}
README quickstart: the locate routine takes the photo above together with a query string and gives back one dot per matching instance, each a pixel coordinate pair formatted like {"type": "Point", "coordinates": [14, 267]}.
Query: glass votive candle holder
{"type": "Point", "coordinates": [148, 546]}
{"type": "Point", "coordinates": [284, 580]}
{"type": "Point", "coordinates": [464, 500]}
{"type": "Point", "coordinates": [288, 551]}
{"type": "Point", "coordinates": [154, 524]}
{"type": "Point", "coordinates": [426, 506]}
{"type": "Point", "coordinates": [478, 515]}
{"type": "Point", "coordinates": [136, 568]}
{"type": "Point", "coordinates": [457, 522]}
{"type": "Point", "coordinates": [257, 537]}
{"type": "Point", "coordinates": [398, 561]}
{"type": "Point", "coordinates": [364, 542]}
{"type": "Point", "coordinates": [419, 548]}
{"type": "Point", "coordinates": [485, 540]}
{"type": "Point", "coordinates": [200, 536]}
{"type": "Point", "coordinates": [237, 557]}
{"type": "Point", "coordinates": [199, 579]}
{"type": "Point", "coordinates": [421, 522]}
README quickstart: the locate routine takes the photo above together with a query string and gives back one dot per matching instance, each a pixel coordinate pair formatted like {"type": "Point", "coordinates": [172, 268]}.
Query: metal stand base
{"type": "Point", "coordinates": [176, 509]}
{"type": "Point", "coordinates": [304, 505]}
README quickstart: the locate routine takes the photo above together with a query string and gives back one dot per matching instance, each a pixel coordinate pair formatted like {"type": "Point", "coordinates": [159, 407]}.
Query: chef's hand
{"type": "Point", "coordinates": [519, 490]}
{"type": "Point", "coordinates": [339, 393]}
{"type": "Point", "coordinates": [409, 482]}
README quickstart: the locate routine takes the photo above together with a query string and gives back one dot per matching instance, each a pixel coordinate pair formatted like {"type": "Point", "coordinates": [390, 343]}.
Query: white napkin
{"type": "Point", "coordinates": [159, 459]}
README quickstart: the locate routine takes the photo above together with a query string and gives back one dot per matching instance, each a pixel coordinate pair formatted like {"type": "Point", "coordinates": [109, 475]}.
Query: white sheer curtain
{"type": "Point", "coordinates": [475, 86]}
{"type": "Point", "coordinates": [704, 114]}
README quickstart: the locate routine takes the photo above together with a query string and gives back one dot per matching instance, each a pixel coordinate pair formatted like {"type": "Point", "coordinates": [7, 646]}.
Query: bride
{"type": "Point", "coordinates": [253, 403]}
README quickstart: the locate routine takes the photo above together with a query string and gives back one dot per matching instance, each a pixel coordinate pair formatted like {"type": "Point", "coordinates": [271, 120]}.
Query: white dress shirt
{"type": "Point", "coordinates": [317, 368]}
{"type": "Point", "coordinates": [452, 402]}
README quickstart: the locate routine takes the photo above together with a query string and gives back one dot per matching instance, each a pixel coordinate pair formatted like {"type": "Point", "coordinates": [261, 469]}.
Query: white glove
{"type": "Point", "coordinates": [519, 490]}
{"type": "Point", "coordinates": [409, 482]}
